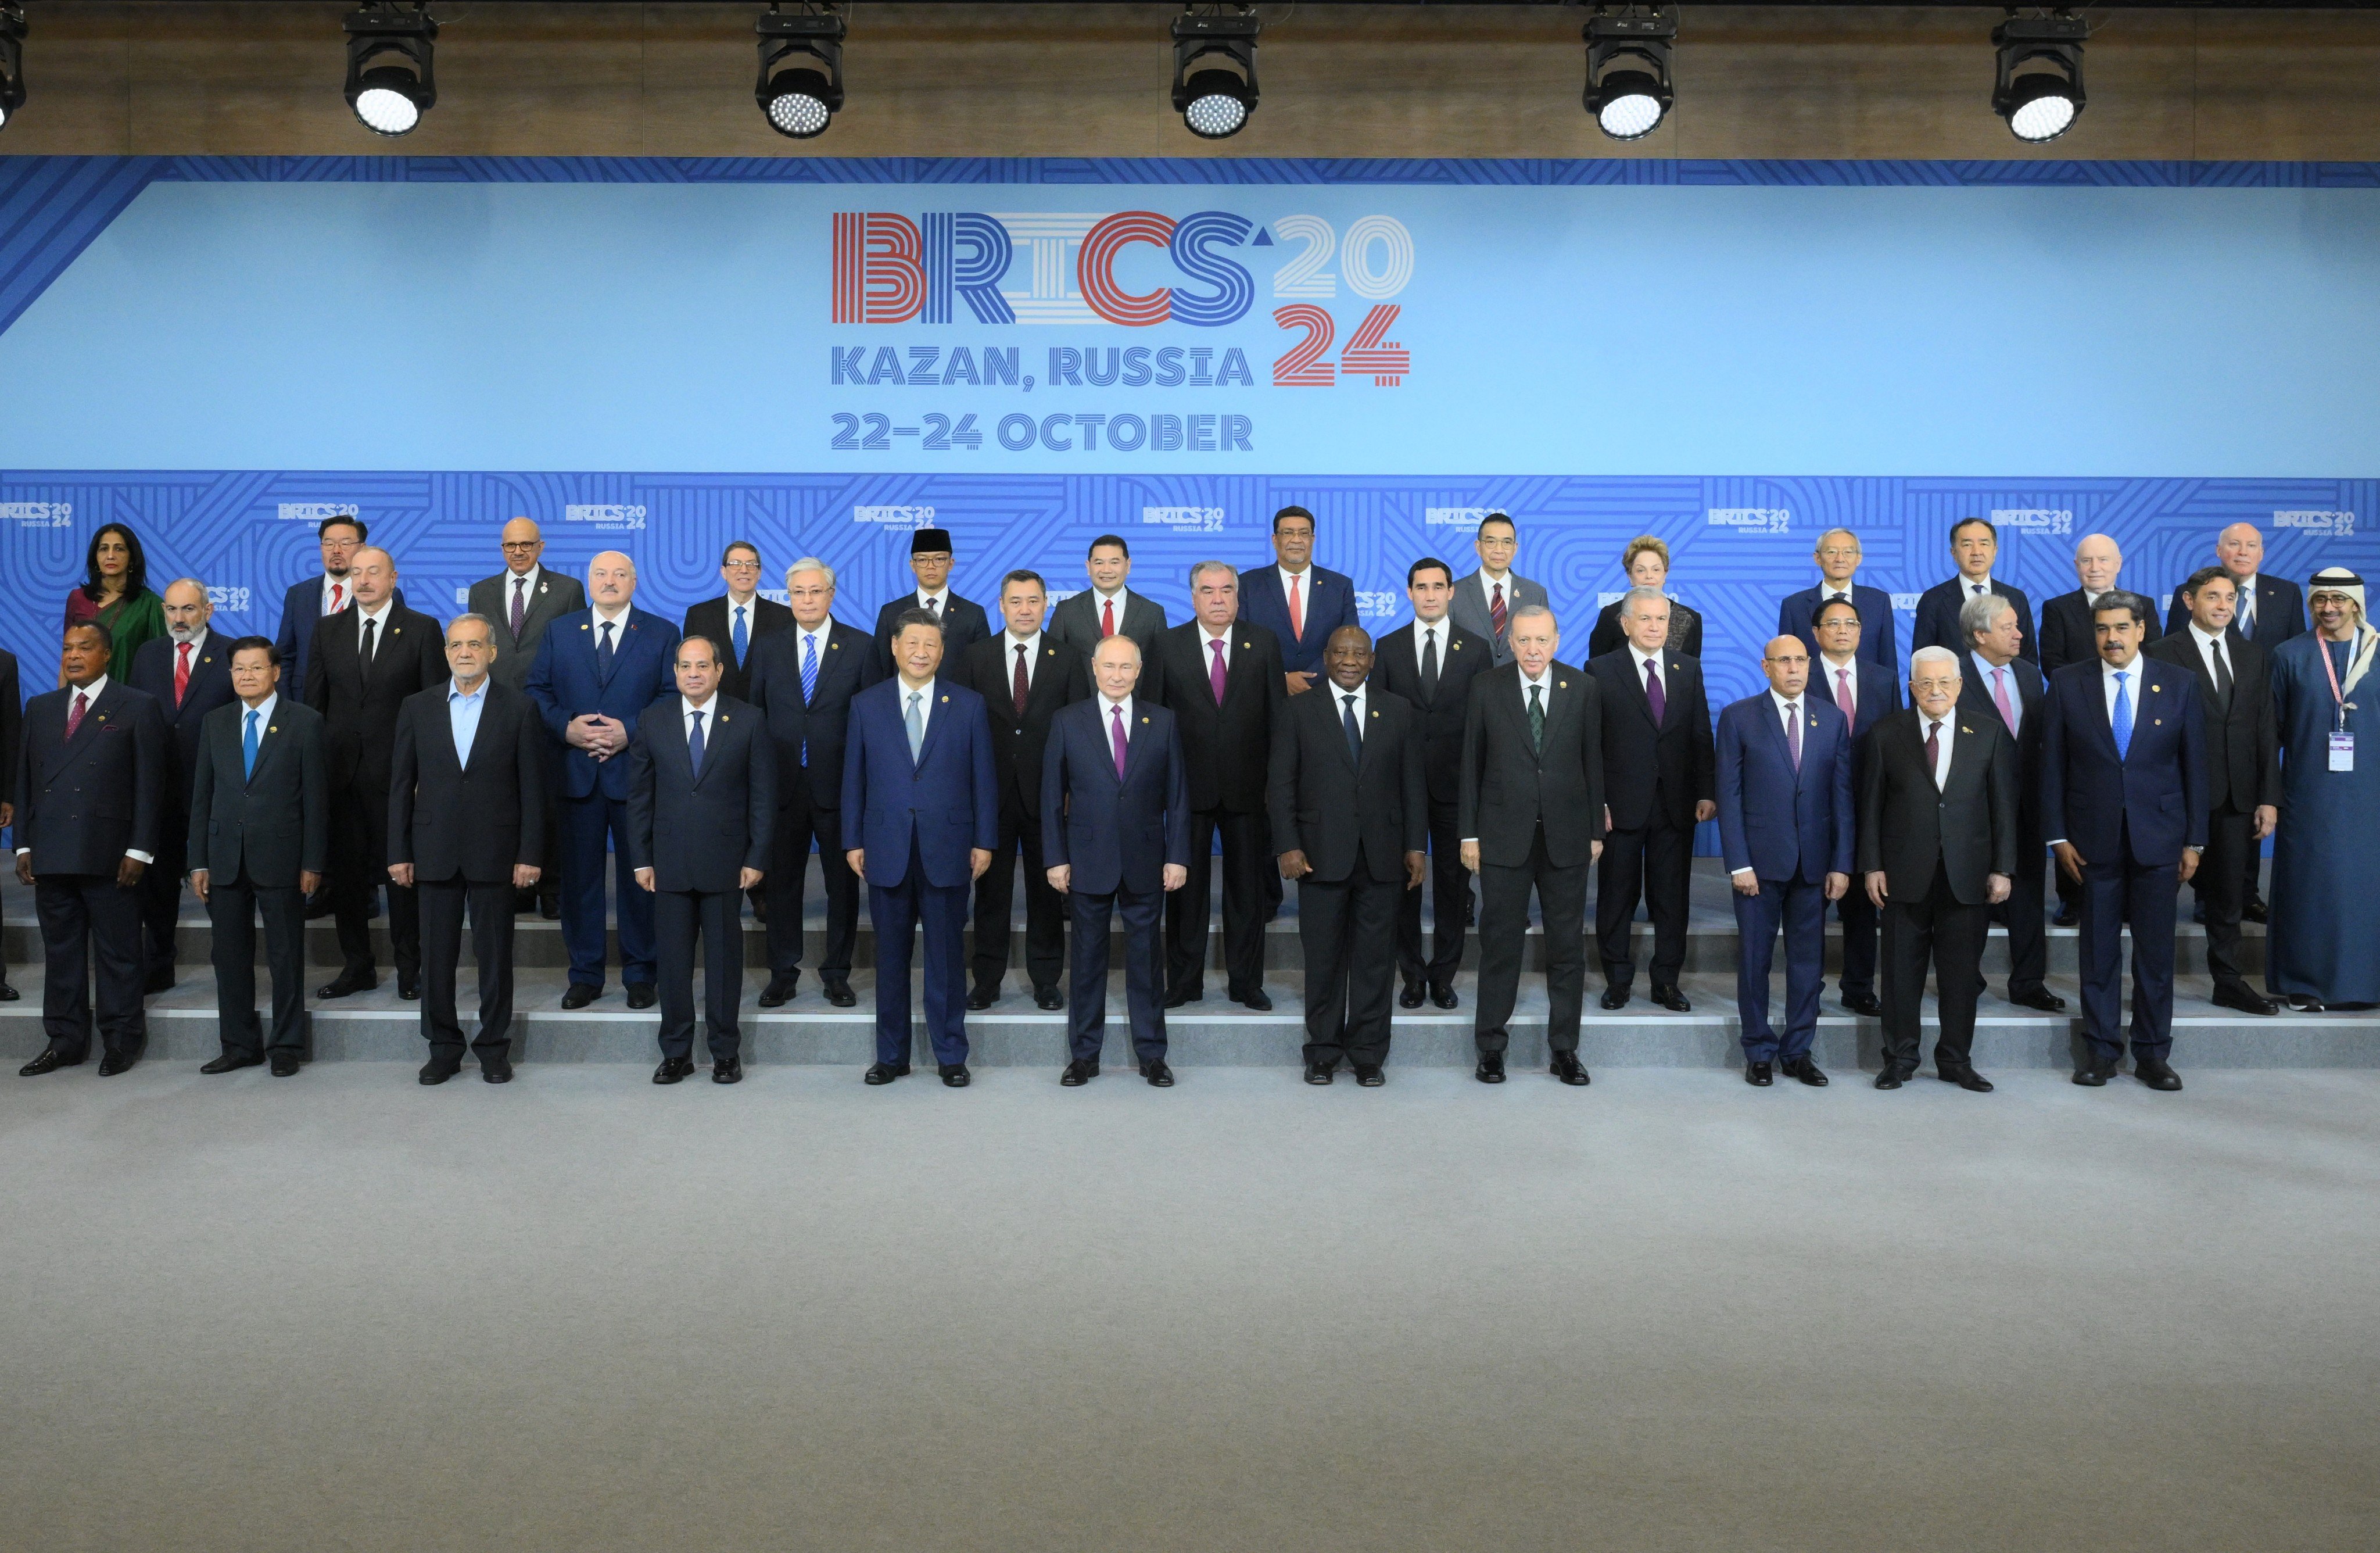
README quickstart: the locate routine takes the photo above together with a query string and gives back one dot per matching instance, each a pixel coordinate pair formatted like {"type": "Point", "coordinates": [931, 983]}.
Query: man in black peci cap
{"type": "Point", "coordinates": [963, 622]}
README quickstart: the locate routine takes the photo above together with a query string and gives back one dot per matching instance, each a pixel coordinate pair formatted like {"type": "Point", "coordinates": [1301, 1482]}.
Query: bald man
{"type": "Point", "coordinates": [2066, 619]}
{"type": "Point", "coordinates": [519, 603]}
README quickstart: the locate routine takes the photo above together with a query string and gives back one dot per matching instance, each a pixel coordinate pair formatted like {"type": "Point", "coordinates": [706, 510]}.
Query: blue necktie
{"type": "Point", "coordinates": [810, 680]}
{"type": "Point", "coordinates": [742, 637]}
{"type": "Point", "coordinates": [248, 748]}
{"type": "Point", "coordinates": [694, 746]}
{"type": "Point", "coordinates": [2123, 719]}
{"type": "Point", "coordinates": [603, 655]}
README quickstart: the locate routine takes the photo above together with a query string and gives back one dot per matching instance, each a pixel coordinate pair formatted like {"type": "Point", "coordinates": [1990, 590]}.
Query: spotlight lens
{"type": "Point", "coordinates": [1215, 116]}
{"type": "Point", "coordinates": [384, 110]}
{"type": "Point", "coordinates": [1630, 117]}
{"type": "Point", "coordinates": [2043, 118]}
{"type": "Point", "coordinates": [797, 114]}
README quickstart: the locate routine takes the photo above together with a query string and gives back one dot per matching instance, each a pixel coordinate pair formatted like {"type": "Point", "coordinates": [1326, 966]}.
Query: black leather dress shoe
{"type": "Point", "coordinates": [318, 907]}
{"type": "Point", "coordinates": [1760, 1075]}
{"type": "Point", "coordinates": [1566, 1066]}
{"type": "Point", "coordinates": [113, 1063]}
{"type": "Point", "coordinates": [285, 1064]}
{"type": "Point", "coordinates": [642, 994]}
{"type": "Point", "coordinates": [1615, 997]}
{"type": "Point", "coordinates": [550, 910]}
{"type": "Point", "coordinates": [496, 1069]}
{"type": "Point", "coordinates": [436, 1073]}
{"type": "Point", "coordinates": [1370, 1078]}
{"type": "Point", "coordinates": [1255, 998]}
{"type": "Point", "coordinates": [1491, 1068]}
{"type": "Point", "coordinates": [2095, 1075]}
{"type": "Point", "coordinates": [1673, 999]}
{"type": "Point", "coordinates": [956, 1075]}
{"type": "Point", "coordinates": [775, 994]}
{"type": "Point", "coordinates": [1443, 997]}
{"type": "Point", "coordinates": [885, 1072]}
{"type": "Point", "coordinates": [1411, 995]}
{"type": "Point", "coordinates": [1181, 995]}
{"type": "Point", "coordinates": [159, 981]}
{"type": "Point", "coordinates": [674, 1069]}
{"type": "Point", "coordinates": [1890, 1077]}
{"type": "Point", "coordinates": [1865, 1003]}
{"type": "Point", "coordinates": [1048, 999]}
{"type": "Point", "coordinates": [409, 988]}
{"type": "Point", "coordinates": [232, 1062]}
{"type": "Point", "coordinates": [1079, 1073]}
{"type": "Point", "coordinates": [839, 993]}
{"type": "Point", "coordinates": [579, 995]}
{"type": "Point", "coordinates": [2305, 1005]}
{"type": "Point", "coordinates": [1319, 1072]}
{"type": "Point", "coordinates": [9, 994]}
{"type": "Point", "coordinates": [2254, 911]}
{"type": "Point", "coordinates": [727, 1069]}
{"type": "Point", "coordinates": [343, 985]}
{"type": "Point", "coordinates": [2066, 916]}
{"type": "Point", "coordinates": [2245, 1000]}
{"type": "Point", "coordinates": [2154, 1073]}
{"type": "Point", "coordinates": [1159, 1075]}
{"type": "Point", "coordinates": [1805, 1070]}
{"type": "Point", "coordinates": [1965, 1078]}
{"type": "Point", "coordinates": [47, 1062]}
{"type": "Point", "coordinates": [980, 998]}
{"type": "Point", "coordinates": [2042, 998]}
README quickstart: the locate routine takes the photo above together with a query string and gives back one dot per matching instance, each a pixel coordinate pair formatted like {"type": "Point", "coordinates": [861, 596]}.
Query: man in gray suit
{"type": "Point", "coordinates": [519, 603]}
{"type": "Point", "coordinates": [1107, 607]}
{"type": "Point", "coordinates": [1485, 600]}
{"type": "Point", "coordinates": [260, 840]}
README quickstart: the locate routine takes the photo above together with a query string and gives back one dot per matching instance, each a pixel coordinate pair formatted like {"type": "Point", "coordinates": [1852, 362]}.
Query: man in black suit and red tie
{"type": "Point", "coordinates": [1975, 546]}
{"type": "Point", "coordinates": [1866, 692]}
{"type": "Point", "coordinates": [90, 789]}
{"type": "Point", "coordinates": [190, 673]}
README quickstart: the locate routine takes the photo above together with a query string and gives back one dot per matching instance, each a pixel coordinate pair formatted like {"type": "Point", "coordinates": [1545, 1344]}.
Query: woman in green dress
{"type": "Point", "coordinates": [115, 593]}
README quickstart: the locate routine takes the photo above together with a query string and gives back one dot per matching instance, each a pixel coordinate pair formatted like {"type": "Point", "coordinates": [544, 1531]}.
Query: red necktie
{"type": "Point", "coordinates": [1107, 618]}
{"type": "Point", "coordinates": [182, 675]}
{"type": "Point", "coordinates": [1296, 612]}
{"type": "Point", "coordinates": [1023, 686]}
{"type": "Point", "coordinates": [73, 717]}
{"type": "Point", "coordinates": [337, 602]}
{"type": "Point", "coordinates": [1496, 611]}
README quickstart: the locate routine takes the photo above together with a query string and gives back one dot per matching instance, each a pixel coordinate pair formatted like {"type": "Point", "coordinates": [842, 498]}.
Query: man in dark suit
{"type": "Point", "coordinates": [466, 826]}
{"type": "Point", "coordinates": [963, 621]}
{"type": "Point", "coordinates": [1974, 545]}
{"type": "Point", "coordinates": [303, 606]}
{"type": "Point", "coordinates": [188, 672]}
{"type": "Point", "coordinates": [921, 817]}
{"type": "Point", "coordinates": [1107, 607]}
{"type": "Point", "coordinates": [1531, 816]}
{"type": "Point", "coordinates": [364, 662]}
{"type": "Point", "coordinates": [1024, 675]}
{"type": "Point", "coordinates": [1115, 829]}
{"type": "Point", "coordinates": [1866, 694]}
{"type": "Point", "coordinates": [12, 727]}
{"type": "Point", "coordinates": [260, 826]}
{"type": "Point", "coordinates": [2065, 635]}
{"type": "Point", "coordinates": [1995, 683]}
{"type": "Point", "coordinates": [1660, 780]}
{"type": "Point", "coordinates": [1432, 664]}
{"type": "Point", "coordinates": [90, 790]}
{"type": "Point", "coordinates": [1222, 679]}
{"type": "Point", "coordinates": [738, 619]}
{"type": "Point", "coordinates": [1839, 554]}
{"type": "Point", "coordinates": [1786, 830]}
{"type": "Point", "coordinates": [701, 799]}
{"type": "Point", "coordinates": [2243, 770]}
{"type": "Point", "coordinates": [594, 675]}
{"type": "Point", "coordinates": [519, 603]}
{"type": "Point", "coordinates": [1350, 817]}
{"type": "Point", "coordinates": [1938, 834]}
{"type": "Point", "coordinates": [803, 679]}
{"type": "Point", "coordinates": [1486, 596]}
{"type": "Point", "coordinates": [1300, 603]}
{"type": "Point", "coordinates": [2123, 773]}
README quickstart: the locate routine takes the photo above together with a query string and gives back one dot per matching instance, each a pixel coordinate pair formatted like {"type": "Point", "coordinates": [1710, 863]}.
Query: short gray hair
{"type": "Point", "coordinates": [1119, 636]}
{"type": "Point", "coordinates": [1198, 568]}
{"type": "Point", "coordinates": [1931, 655]}
{"type": "Point", "coordinates": [1635, 596]}
{"type": "Point", "coordinates": [810, 563]}
{"type": "Point", "coordinates": [193, 581]}
{"type": "Point", "coordinates": [1978, 613]}
{"type": "Point", "coordinates": [469, 615]}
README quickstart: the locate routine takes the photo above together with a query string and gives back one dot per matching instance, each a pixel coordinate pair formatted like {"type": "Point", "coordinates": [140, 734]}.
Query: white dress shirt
{"type": "Point", "coordinates": [2208, 646]}
{"type": "Point", "coordinates": [1985, 670]}
{"type": "Point", "coordinates": [1207, 641]}
{"type": "Point", "coordinates": [1339, 704]}
{"type": "Point", "coordinates": [1107, 719]}
{"type": "Point", "coordinates": [1009, 642]}
{"type": "Point", "coordinates": [1967, 585]}
{"type": "Point", "coordinates": [1443, 626]}
{"type": "Point", "coordinates": [2247, 608]}
{"type": "Point", "coordinates": [1836, 675]}
{"type": "Point", "coordinates": [264, 722]}
{"type": "Point", "coordinates": [2132, 672]}
{"type": "Point", "coordinates": [710, 710]}
{"type": "Point", "coordinates": [925, 695]}
{"type": "Point", "coordinates": [1948, 728]}
{"type": "Point", "coordinates": [1788, 711]}
{"type": "Point", "coordinates": [1487, 586]}
{"type": "Point", "coordinates": [939, 603]}
{"type": "Point", "coordinates": [380, 625]}
{"type": "Point", "coordinates": [1305, 587]}
{"type": "Point", "coordinates": [530, 577]}
{"type": "Point", "coordinates": [197, 645]}
{"type": "Point", "coordinates": [1654, 659]}
{"type": "Point", "coordinates": [346, 590]}
{"type": "Point", "coordinates": [92, 690]}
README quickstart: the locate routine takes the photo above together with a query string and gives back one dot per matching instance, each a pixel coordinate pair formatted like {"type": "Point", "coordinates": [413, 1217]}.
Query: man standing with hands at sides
{"type": "Point", "coordinates": [1997, 684]}
{"type": "Point", "coordinates": [1024, 675]}
{"type": "Point", "coordinates": [466, 824]}
{"type": "Point", "coordinates": [188, 672]}
{"type": "Point", "coordinates": [1350, 817]}
{"type": "Point", "coordinates": [803, 679]}
{"type": "Point", "coordinates": [1937, 832]}
{"type": "Point", "coordinates": [1787, 829]}
{"type": "Point", "coordinates": [260, 823]}
{"type": "Point", "coordinates": [1300, 603]}
{"type": "Point", "coordinates": [2243, 768]}
{"type": "Point", "coordinates": [738, 619]}
{"type": "Point", "coordinates": [1115, 826]}
{"type": "Point", "coordinates": [921, 800]}
{"type": "Point", "coordinates": [1659, 781]}
{"type": "Point", "coordinates": [519, 603]}
{"type": "Point", "coordinates": [2326, 913]}
{"type": "Point", "coordinates": [963, 621]}
{"type": "Point", "coordinates": [362, 665]}
{"type": "Point", "coordinates": [307, 601]}
{"type": "Point", "coordinates": [2065, 638]}
{"type": "Point", "coordinates": [1485, 599]}
{"type": "Point", "coordinates": [701, 799]}
{"type": "Point", "coordinates": [1865, 694]}
{"type": "Point", "coordinates": [1839, 555]}
{"type": "Point", "coordinates": [1974, 545]}
{"type": "Point", "coordinates": [90, 797]}
{"type": "Point", "coordinates": [1432, 664]}
{"type": "Point", "coordinates": [1222, 679]}
{"type": "Point", "coordinates": [1531, 814]}
{"type": "Point", "coordinates": [594, 675]}
{"type": "Point", "coordinates": [12, 727]}
{"type": "Point", "coordinates": [1108, 607]}
{"type": "Point", "coordinates": [2123, 795]}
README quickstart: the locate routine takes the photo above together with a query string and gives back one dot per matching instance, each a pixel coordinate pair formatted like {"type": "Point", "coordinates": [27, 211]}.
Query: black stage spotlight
{"type": "Point", "coordinates": [1215, 103]}
{"type": "Point", "coordinates": [2040, 104]}
{"type": "Point", "coordinates": [1629, 101]}
{"type": "Point", "coordinates": [12, 62]}
{"type": "Point", "coordinates": [389, 81]}
{"type": "Point", "coordinates": [799, 101]}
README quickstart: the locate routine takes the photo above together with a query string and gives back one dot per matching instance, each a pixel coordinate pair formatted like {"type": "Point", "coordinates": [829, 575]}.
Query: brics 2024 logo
{"type": "Point", "coordinates": [1006, 269]}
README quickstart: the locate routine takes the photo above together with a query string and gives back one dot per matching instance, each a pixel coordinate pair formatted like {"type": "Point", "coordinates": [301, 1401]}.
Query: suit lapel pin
{"type": "Point", "coordinates": [272, 728]}
{"type": "Point", "coordinates": [583, 626]}
{"type": "Point", "coordinates": [2154, 689]}
{"type": "Point", "coordinates": [1565, 684]}
{"type": "Point", "coordinates": [946, 701]}
{"type": "Point", "coordinates": [834, 646]}
{"type": "Point", "coordinates": [1144, 722]}
{"type": "Point", "coordinates": [1376, 713]}
{"type": "Point", "coordinates": [1964, 728]}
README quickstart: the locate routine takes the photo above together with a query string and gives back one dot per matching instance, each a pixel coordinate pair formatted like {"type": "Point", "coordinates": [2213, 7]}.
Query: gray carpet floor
{"type": "Point", "coordinates": [1667, 1312]}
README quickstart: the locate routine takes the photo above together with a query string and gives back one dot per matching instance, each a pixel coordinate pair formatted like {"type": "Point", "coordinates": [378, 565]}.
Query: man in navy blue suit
{"type": "Point", "coordinates": [2123, 795]}
{"type": "Point", "coordinates": [595, 673]}
{"type": "Point", "coordinates": [1839, 555]}
{"type": "Point", "coordinates": [1975, 545]}
{"type": "Point", "coordinates": [921, 811]}
{"type": "Point", "coordinates": [1115, 834]}
{"type": "Point", "coordinates": [1865, 694]}
{"type": "Point", "coordinates": [1298, 602]}
{"type": "Point", "coordinates": [1787, 829]}
{"type": "Point", "coordinates": [188, 671]}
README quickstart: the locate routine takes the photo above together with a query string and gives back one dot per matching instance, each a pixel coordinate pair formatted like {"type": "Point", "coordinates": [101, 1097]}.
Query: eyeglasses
{"type": "Point", "coordinates": [741, 566]}
{"type": "Point", "coordinates": [522, 543]}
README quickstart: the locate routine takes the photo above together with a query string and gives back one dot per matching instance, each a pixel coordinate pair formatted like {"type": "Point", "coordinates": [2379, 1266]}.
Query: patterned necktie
{"type": "Point", "coordinates": [1107, 618]}
{"type": "Point", "coordinates": [809, 682]}
{"type": "Point", "coordinates": [182, 675]}
{"type": "Point", "coordinates": [2122, 720]}
{"type": "Point", "coordinates": [2000, 698]}
{"type": "Point", "coordinates": [1843, 698]}
{"type": "Point", "coordinates": [1496, 611]}
{"type": "Point", "coordinates": [520, 605]}
{"type": "Point", "coordinates": [74, 716]}
{"type": "Point", "coordinates": [1021, 686]}
{"type": "Point", "coordinates": [1215, 674]}
{"type": "Point", "coordinates": [916, 721]}
{"type": "Point", "coordinates": [1429, 663]}
{"type": "Point", "coordinates": [248, 747]}
{"type": "Point", "coordinates": [603, 654]}
{"type": "Point", "coordinates": [1296, 614]}
{"type": "Point", "coordinates": [1653, 695]}
{"type": "Point", "coordinates": [1536, 720]}
{"type": "Point", "coordinates": [1934, 752]}
{"type": "Point", "coordinates": [694, 747]}
{"type": "Point", "coordinates": [741, 637]}
{"type": "Point", "coordinates": [2247, 622]}
{"type": "Point", "coordinates": [1354, 729]}
{"type": "Point", "coordinates": [1115, 737]}
{"type": "Point", "coordinates": [371, 628]}
{"type": "Point", "coordinates": [1793, 732]}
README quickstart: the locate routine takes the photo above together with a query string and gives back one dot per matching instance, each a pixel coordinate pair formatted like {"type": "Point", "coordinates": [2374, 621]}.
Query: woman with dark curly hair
{"type": "Point", "coordinates": [115, 593]}
{"type": "Point", "coordinates": [1646, 562]}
